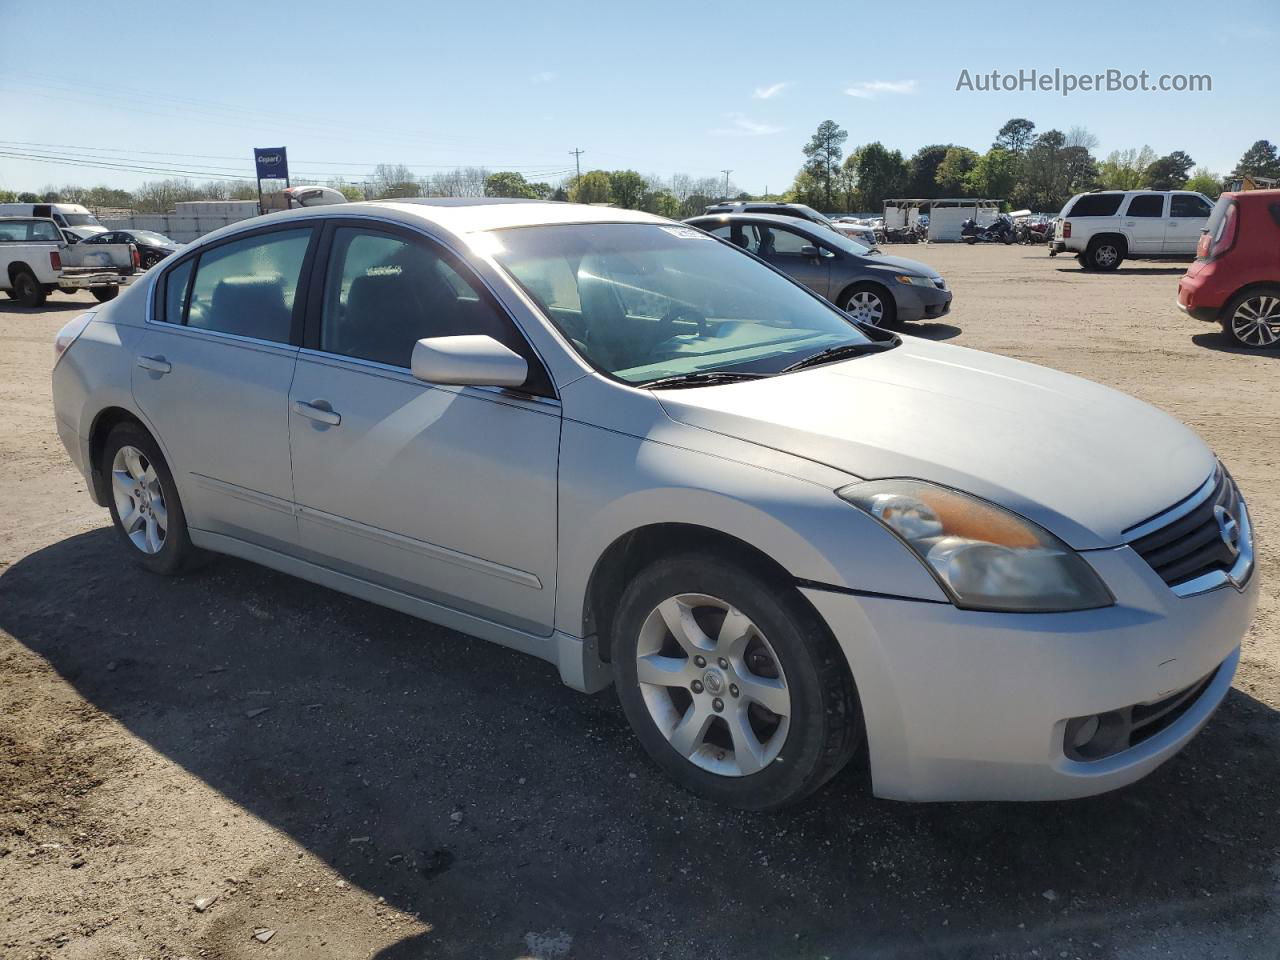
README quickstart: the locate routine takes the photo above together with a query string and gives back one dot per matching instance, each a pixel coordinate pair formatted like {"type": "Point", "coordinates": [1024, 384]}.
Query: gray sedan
{"type": "Point", "coordinates": [873, 288]}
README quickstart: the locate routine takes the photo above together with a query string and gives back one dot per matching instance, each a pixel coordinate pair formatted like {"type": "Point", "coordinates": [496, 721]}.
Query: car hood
{"type": "Point", "coordinates": [1082, 460]}
{"type": "Point", "coordinates": [903, 265]}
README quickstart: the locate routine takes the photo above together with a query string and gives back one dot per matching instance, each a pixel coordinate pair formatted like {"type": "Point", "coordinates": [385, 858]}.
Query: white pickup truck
{"type": "Point", "coordinates": [1106, 227]}
{"type": "Point", "coordinates": [35, 261]}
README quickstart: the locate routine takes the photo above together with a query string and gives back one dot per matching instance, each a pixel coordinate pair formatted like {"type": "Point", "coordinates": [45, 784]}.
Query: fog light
{"type": "Point", "coordinates": [1085, 731]}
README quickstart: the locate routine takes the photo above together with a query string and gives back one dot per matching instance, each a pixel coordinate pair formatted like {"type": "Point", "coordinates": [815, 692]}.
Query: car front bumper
{"type": "Point", "coordinates": [969, 705]}
{"type": "Point", "coordinates": [921, 303]}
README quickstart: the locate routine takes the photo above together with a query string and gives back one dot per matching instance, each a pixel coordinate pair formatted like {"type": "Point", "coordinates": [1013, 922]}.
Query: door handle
{"type": "Point", "coordinates": [314, 412]}
{"type": "Point", "coordinates": [155, 364]}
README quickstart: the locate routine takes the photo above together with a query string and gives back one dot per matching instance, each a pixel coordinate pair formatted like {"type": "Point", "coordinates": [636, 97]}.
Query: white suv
{"type": "Point", "coordinates": [1105, 227]}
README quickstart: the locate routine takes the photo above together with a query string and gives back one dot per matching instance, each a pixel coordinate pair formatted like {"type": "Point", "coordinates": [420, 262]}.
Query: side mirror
{"type": "Point", "coordinates": [476, 361]}
{"type": "Point", "coordinates": [810, 251]}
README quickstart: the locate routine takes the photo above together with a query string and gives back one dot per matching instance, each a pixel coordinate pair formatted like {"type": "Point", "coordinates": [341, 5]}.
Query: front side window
{"type": "Point", "coordinates": [384, 293]}
{"type": "Point", "coordinates": [1146, 205]}
{"type": "Point", "coordinates": [1188, 206]}
{"type": "Point", "coordinates": [247, 287]}
{"type": "Point", "coordinates": [706, 307]}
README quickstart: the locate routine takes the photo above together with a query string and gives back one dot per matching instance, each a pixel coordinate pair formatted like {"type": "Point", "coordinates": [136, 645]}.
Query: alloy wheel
{"type": "Point", "coordinates": [1106, 255]}
{"type": "Point", "coordinates": [1256, 322]}
{"type": "Point", "coordinates": [713, 685]}
{"type": "Point", "coordinates": [866, 307]}
{"type": "Point", "coordinates": [139, 500]}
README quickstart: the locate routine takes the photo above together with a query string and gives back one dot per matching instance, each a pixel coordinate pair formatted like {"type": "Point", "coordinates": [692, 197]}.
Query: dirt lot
{"type": "Point", "coordinates": [409, 792]}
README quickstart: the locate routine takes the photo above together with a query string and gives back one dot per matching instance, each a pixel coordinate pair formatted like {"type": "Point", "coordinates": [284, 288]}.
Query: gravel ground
{"type": "Point", "coordinates": [362, 784]}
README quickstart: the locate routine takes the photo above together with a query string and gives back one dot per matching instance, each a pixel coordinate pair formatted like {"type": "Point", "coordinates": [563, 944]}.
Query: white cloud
{"type": "Point", "coordinates": [769, 92]}
{"type": "Point", "coordinates": [546, 76]}
{"type": "Point", "coordinates": [870, 89]}
{"type": "Point", "coordinates": [741, 126]}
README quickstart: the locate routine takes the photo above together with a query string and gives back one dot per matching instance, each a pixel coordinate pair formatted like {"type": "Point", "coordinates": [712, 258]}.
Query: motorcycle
{"type": "Point", "coordinates": [1000, 231]}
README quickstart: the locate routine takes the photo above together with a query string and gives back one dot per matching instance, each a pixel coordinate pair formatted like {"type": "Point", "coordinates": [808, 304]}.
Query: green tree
{"type": "Point", "coordinates": [922, 181]}
{"type": "Point", "coordinates": [824, 152]}
{"type": "Point", "coordinates": [8, 196]}
{"type": "Point", "coordinates": [541, 190]}
{"type": "Point", "coordinates": [662, 202]}
{"type": "Point", "coordinates": [627, 188]}
{"type": "Point", "coordinates": [995, 174]}
{"type": "Point", "coordinates": [27, 197]}
{"type": "Point", "coordinates": [1016, 136]}
{"type": "Point", "coordinates": [1205, 181]}
{"type": "Point", "coordinates": [955, 166]}
{"type": "Point", "coordinates": [592, 187]}
{"type": "Point", "coordinates": [507, 183]}
{"type": "Point", "coordinates": [1125, 169]}
{"type": "Point", "coordinates": [1260, 160]}
{"type": "Point", "coordinates": [882, 174]}
{"type": "Point", "coordinates": [1169, 172]}
{"type": "Point", "coordinates": [1045, 181]}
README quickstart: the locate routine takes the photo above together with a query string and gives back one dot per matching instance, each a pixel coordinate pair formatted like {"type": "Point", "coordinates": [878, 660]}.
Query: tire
{"type": "Point", "coordinates": [860, 302]}
{"type": "Point", "coordinates": [1252, 318]}
{"type": "Point", "coordinates": [1103, 253]}
{"type": "Point", "coordinates": [27, 290]}
{"type": "Point", "coordinates": [788, 658]}
{"type": "Point", "coordinates": [149, 260]}
{"type": "Point", "coordinates": [970, 240]}
{"type": "Point", "coordinates": [153, 504]}
{"type": "Point", "coordinates": [103, 294]}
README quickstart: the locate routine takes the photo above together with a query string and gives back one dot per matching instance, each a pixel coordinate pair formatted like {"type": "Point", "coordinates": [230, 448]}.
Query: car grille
{"type": "Point", "coordinates": [1187, 544]}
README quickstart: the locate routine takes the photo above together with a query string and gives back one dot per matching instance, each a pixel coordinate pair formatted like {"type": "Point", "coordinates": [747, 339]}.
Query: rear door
{"type": "Point", "coordinates": [1188, 214]}
{"type": "Point", "coordinates": [212, 376]}
{"type": "Point", "coordinates": [1144, 222]}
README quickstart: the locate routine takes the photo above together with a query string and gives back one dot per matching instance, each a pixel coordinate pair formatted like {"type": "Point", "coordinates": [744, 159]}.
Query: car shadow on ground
{"type": "Point", "coordinates": [1224, 344]}
{"type": "Point", "coordinates": [1122, 271]}
{"type": "Point", "coordinates": [929, 330]}
{"type": "Point", "coordinates": [382, 726]}
{"type": "Point", "coordinates": [53, 303]}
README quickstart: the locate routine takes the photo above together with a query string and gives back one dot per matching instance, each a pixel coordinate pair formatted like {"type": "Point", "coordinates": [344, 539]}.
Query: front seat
{"type": "Point", "coordinates": [606, 334]}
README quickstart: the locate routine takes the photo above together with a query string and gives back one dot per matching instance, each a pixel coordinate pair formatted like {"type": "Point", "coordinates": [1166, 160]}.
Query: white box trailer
{"type": "Point", "coordinates": [947, 215]}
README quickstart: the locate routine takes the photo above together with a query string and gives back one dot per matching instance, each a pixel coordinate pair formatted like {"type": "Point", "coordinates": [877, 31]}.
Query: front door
{"type": "Point", "coordinates": [445, 493]}
{"type": "Point", "coordinates": [1188, 214]}
{"type": "Point", "coordinates": [783, 249]}
{"type": "Point", "coordinates": [1144, 223]}
{"type": "Point", "coordinates": [212, 376]}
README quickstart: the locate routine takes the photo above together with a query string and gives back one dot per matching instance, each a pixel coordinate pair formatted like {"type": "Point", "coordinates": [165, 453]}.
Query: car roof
{"type": "Point", "coordinates": [473, 214]}
{"type": "Point", "coordinates": [765, 218]}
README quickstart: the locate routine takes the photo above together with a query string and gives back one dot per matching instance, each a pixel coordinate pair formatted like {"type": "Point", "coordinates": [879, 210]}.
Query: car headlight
{"type": "Point", "coordinates": [914, 280]}
{"type": "Point", "coordinates": [985, 557]}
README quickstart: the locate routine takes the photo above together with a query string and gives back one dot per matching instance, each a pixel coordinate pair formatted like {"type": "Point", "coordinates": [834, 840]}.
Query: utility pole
{"type": "Point", "coordinates": [577, 162]}
{"type": "Point", "coordinates": [726, 182]}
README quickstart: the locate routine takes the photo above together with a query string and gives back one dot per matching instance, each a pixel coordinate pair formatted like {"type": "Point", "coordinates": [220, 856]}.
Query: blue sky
{"type": "Point", "coordinates": [689, 87]}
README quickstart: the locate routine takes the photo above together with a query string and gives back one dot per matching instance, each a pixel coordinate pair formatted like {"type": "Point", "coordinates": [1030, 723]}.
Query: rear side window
{"type": "Point", "coordinates": [1146, 205]}
{"type": "Point", "coordinates": [248, 287]}
{"type": "Point", "coordinates": [1188, 206]}
{"type": "Point", "coordinates": [176, 282]}
{"type": "Point", "coordinates": [1096, 205]}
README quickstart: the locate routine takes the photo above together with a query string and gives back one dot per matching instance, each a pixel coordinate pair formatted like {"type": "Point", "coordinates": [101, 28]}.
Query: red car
{"type": "Point", "coordinates": [1235, 280]}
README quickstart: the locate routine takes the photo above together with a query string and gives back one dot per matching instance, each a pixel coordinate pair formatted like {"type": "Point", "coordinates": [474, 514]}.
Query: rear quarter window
{"type": "Point", "coordinates": [1095, 205]}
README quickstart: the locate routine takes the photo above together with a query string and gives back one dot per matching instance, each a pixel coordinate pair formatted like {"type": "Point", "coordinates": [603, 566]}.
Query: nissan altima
{"type": "Point", "coordinates": [632, 449]}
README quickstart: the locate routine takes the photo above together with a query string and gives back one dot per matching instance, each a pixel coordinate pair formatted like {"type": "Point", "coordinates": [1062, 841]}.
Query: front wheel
{"type": "Point", "coordinates": [27, 290]}
{"type": "Point", "coordinates": [144, 502]}
{"type": "Point", "coordinates": [103, 294]}
{"type": "Point", "coordinates": [1252, 319]}
{"type": "Point", "coordinates": [869, 304]}
{"type": "Point", "coordinates": [732, 685]}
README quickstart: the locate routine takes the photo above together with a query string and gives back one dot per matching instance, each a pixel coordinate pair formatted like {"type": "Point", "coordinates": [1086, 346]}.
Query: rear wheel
{"type": "Point", "coordinates": [732, 685]}
{"type": "Point", "coordinates": [1252, 318]}
{"type": "Point", "coordinates": [27, 290]}
{"type": "Point", "coordinates": [1103, 253]}
{"type": "Point", "coordinates": [150, 259]}
{"type": "Point", "coordinates": [103, 294]}
{"type": "Point", "coordinates": [869, 304]}
{"type": "Point", "coordinates": [144, 502]}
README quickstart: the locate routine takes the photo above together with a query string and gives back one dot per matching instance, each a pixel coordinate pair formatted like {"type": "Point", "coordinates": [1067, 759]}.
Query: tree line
{"type": "Point", "coordinates": [677, 195]}
{"type": "Point", "coordinates": [1026, 169]}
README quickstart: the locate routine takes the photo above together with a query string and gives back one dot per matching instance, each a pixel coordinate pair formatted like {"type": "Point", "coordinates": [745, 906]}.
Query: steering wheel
{"type": "Point", "coordinates": [667, 325]}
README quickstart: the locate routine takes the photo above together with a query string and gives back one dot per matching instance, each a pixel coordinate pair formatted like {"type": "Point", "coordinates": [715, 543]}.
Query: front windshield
{"type": "Point", "coordinates": [643, 302]}
{"type": "Point", "coordinates": [81, 220]}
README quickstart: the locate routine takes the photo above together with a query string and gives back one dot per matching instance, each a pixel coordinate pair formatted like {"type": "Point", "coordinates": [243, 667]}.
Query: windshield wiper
{"type": "Point", "coordinates": [701, 379]}
{"type": "Point", "coordinates": [843, 352]}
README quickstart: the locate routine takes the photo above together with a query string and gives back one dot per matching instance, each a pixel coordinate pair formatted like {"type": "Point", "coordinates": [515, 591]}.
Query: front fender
{"type": "Point", "coordinates": [612, 484]}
